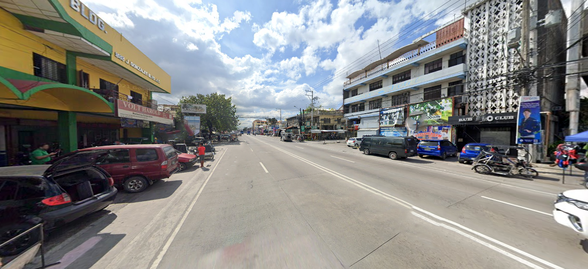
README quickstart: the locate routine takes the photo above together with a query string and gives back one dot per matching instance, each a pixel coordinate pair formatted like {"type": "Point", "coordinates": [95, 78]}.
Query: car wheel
{"type": "Point", "coordinates": [393, 155]}
{"type": "Point", "coordinates": [585, 183]}
{"type": "Point", "coordinates": [135, 184]}
{"type": "Point", "coordinates": [421, 155]}
{"type": "Point", "coordinates": [20, 244]}
{"type": "Point", "coordinates": [182, 166]}
{"type": "Point", "coordinates": [460, 161]}
{"type": "Point", "coordinates": [366, 151]}
{"type": "Point", "coordinates": [443, 156]}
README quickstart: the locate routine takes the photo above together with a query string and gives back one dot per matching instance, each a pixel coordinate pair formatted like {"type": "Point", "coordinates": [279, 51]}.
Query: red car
{"type": "Point", "coordinates": [186, 160]}
{"type": "Point", "coordinates": [134, 167]}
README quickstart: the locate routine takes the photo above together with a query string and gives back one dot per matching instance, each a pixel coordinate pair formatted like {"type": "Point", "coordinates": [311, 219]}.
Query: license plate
{"type": "Point", "coordinates": [427, 149]}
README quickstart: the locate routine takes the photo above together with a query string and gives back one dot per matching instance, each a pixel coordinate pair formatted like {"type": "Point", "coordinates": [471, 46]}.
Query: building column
{"type": "Point", "coordinates": [68, 131]}
{"type": "Point", "coordinates": [71, 68]}
{"type": "Point", "coordinates": [148, 132]}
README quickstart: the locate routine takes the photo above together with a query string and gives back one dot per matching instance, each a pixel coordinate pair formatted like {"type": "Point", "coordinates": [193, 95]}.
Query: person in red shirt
{"type": "Point", "coordinates": [201, 152]}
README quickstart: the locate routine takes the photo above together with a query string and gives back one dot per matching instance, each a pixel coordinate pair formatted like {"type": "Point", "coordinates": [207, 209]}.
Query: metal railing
{"type": "Point", "coordinates": [392, 63]}
{"type": "Point", "coordinates": [21, 257]}
{"type": "Point", "coordinates": [112, 96]}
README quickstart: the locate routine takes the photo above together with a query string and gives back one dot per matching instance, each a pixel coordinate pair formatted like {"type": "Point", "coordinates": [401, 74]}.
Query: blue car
{"type": "Point", "coordinates": [470, 151]}
{"type": "Point", "coordinates": [438, 148]}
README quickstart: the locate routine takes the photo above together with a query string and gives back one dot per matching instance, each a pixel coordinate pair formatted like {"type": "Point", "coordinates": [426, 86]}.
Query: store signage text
{"type": "Point", "coordinates": [466, 119]}
{"type": "Point", "coordinates": [88, 14]}
{"type": "Point", "coordinates": [127, 61]}
{"type": "Point", "coordinates": [130, 110]}
{"type": "Point", "coordinates": [499, 118]}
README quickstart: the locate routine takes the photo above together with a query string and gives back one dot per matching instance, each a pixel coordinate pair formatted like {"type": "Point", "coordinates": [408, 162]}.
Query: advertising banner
{"type": "Point", "coordinates": [130, 110]}
{"type": "Point", "coordinates": [193, 123]}
{"type": "Point", "coordinates": [393, 131]}
{"type": "Point", "coordinates": [529, 120]}
{"type": "Point", "coordinates": [193, 108]}
{"type": "Point", "coordinates": [391, 116]}
{"type": "Point", "coordinates": [434, 133]}
{"type": "Point", "coordinates": [432, 113]}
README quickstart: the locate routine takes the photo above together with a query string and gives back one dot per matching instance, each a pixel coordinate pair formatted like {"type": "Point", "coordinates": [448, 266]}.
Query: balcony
{"type": "Point", "coordinates": [457, 71]}
{"type": "Point", "coordinates": [112, 96]}
{"type": "Point", "coordinates": [413, 57]}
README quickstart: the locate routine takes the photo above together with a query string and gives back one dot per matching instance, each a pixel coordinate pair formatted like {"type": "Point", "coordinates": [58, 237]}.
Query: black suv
{"type": "Point", "coordinates": [395, 147]}
{"type": "Point", "coordinates": [52, 195]}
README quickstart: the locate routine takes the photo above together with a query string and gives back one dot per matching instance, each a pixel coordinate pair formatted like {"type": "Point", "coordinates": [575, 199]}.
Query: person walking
{"type": "Point", "coordinates": [40, 155]}
{"type": "Point", "coordinates": [201, 153]}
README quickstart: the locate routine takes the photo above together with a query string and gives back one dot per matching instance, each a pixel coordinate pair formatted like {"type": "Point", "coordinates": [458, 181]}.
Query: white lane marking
{"type": "Point", "coordinates": [483, 243]}
{"type": "Point", "coordinates": [342, 159]}
{"type": "Point", "coordinates": [77, 252]}
{"type": "Point", "coordinates": [299, 147]}
{"type": "Point", "coordinates": [251, 149]}
{"type": "Point", "coordinates": [522, 207]}
{"type": "Point", "coordinates": [175, 233]}
{"type": "Point", "coordinates": [262, 166]}
{"type": "Point", "coordinates": [408, 205]}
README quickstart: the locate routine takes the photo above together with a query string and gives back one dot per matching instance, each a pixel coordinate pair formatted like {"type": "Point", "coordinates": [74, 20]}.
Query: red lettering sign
{"type": "Point", "coordinates": [130, 110]}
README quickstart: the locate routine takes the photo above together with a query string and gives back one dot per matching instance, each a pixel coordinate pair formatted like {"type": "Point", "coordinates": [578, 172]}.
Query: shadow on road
{"type": "Point", "coordinates": [159, 190]}
{"type": "Point", "coordinates": [417, 160]}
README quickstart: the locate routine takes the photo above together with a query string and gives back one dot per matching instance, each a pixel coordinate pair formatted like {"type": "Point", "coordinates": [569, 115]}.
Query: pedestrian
{"type": "Point", "coordinates": [155, 141]}
{"type": "Point", "coordinates": [40, 155]}
{"type": "Point", "coordinates": [201, 152]}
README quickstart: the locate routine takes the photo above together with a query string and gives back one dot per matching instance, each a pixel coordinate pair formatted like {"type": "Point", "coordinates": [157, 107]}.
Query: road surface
{"type": "Point", "coordinates": [269, 204]}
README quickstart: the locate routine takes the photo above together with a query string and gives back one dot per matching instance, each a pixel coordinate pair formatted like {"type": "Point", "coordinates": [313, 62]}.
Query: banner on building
{"type": "Point", "coordinates": [433, 133]}
{"type": "Point", "coordinates": [391, 116]}
{"type": "Point", "coordinates": [432, 113]}
{"type": "Point", "coordinates": [132, 123]}
{"type": "Point", "coordinates": [393, 131]}
{"type": "Point", "coordinates": [193, 123]}
{"type": "Point", "coordinates": [130, 110]}
{"type": "Point", "coordinates": [193, 108]}
{"type": "Point", "coordinates": [529, 120]}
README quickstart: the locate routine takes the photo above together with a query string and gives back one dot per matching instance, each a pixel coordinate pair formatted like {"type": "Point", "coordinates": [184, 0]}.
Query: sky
{"type": "Point", "coordinates": [267, 54]}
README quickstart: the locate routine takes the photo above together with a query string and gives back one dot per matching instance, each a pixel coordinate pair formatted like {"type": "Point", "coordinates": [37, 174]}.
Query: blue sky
{"type": "Point", "coordinates": [266, 53]}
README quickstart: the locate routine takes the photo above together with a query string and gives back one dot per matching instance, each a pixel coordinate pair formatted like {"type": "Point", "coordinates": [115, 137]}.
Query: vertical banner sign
{"type": "Point", "coordinates": [529, 120]}
{"type": "Point", "coordinates": [193, 123]}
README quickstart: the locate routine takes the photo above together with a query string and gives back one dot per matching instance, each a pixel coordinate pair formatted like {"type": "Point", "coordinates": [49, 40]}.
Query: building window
{"type": "Point", "coordinates": [49, 69]}
{"type": "Point", "coordinates": [136, 98]}
{"type": "Point", "coordinates": [401, 77]}
{"type": "Point", "coordinates": [375, 104]}
{"type": "Point", "coordinates": [353, 108]}
{"type": "Point", "coordinates": [362, 107]}
{"type": "Point", "coordinates": [84, 80]}
{"type": "Point", "coordinates": [456, 58]}
{"type": "Point", "coordinates": [400, 99]}
{"type": "Point", "coordinates": [433, 66]}
{"type": "Point", "coordinates": [455, 88]}
{"type": "Point", "coordinates": [432, 93]}
{"type": "Point", "coordinates": [326, 120]}
{"type": "Point", "coordinates": [354, 92]}
{"type": "Point", "coordinates": [376, 85]}
{"type": "Point", "coordinates": [345, 94]}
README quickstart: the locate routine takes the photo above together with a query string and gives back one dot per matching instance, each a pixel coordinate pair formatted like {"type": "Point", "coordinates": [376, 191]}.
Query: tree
{"type": "Point", "coordinates": [272, 121]}
{"type": "Point", "coordinates": [221, 113]}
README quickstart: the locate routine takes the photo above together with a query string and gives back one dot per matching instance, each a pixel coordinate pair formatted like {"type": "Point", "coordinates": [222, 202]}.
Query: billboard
{"type": "Point", "coordinates": [391, 116]}
{"type": "Point", "coordinates": [193, 108]}
{"type": "Point", "coordinates": [434, 133]}
{"type": "Point", "coordinates": [393, 131]}
{"type": "Point", "coordinates": [529, 120]}
{"type": "Point", "coordinates": [193, 123]}
{"type": "Point", "coordinates": [434, 112]}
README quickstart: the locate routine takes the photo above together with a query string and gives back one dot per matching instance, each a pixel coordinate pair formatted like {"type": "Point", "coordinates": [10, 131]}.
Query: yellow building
{"type": "Point", "coordinates": [68, 78]}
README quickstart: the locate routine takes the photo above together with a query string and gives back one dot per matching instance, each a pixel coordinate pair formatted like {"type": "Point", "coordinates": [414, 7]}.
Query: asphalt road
{"type": "Point", "coordinates": [270, 204]}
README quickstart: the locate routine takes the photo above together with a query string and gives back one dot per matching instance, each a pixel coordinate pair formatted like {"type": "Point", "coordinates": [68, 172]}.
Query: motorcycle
{"type": "Point", "coordinates": [491, 162]}
{"type": "Point", "coordinates": [571, 210]}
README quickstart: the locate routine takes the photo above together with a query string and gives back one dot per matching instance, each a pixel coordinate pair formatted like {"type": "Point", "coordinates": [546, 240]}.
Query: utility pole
{"type": "Point", "coordinates": [311, 106]}
{"type": "Point", "coordinates": [573, 80]}
{"type": "Point", "coordinates": [525, 44]}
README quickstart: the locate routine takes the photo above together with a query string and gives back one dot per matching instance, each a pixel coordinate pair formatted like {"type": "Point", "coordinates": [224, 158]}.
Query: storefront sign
{"type": "Point", "coordinates": [393, 131]}
{"type": "Point", "coordinates": [391, 116]}
{"type": "Point", "coordinates": [130, 110]}
{"type": "Point", "coordinates": [433, 133]}
{"type": "Point", "coordinates": [193, 108]}
{"type": "Point", "coordinates": [498, 118]}
{"type": "Point", "coordinates": [529, 120]}
{"type": "Point", "coordinates": [133, 65]}
{"type": "Point", "coordinates": [87, 14]}
{"type": "Point", "coordinates": [433, 112]}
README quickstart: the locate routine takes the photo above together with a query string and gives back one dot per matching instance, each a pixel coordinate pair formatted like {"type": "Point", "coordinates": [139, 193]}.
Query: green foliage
{"type": "Point", "coordinates": [221, 113]}
{"type": "Point", "coordinates": [272, 121]}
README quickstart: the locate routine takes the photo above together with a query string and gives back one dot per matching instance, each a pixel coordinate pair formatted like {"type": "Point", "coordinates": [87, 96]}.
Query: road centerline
{"type": "Point", "coordinates": [517, 206]}
{"type": "Point", "coordinates": [263, 166]}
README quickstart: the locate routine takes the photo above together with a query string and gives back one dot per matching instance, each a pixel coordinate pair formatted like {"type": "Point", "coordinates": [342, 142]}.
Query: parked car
{"type": "Point", "coordinates": [393, 147]}
{"type": "Point", "coordinates": [470, 151]}
{"type": "Point", "coordinates": [185, 160]}
{"type": "Point", "coordinates": [52, 195]}
{"type": "Point", "coordinates": [134, 167]}
{"type": "Point", "coordinates": [354, 142]}
{"type": "Point", "coordinates": [571, 210]}
{"type": "Point", "coordinates": [438, 148]}
{"type": "Point", "coordinates": [208, 152]}
{"type": "Point", "coordinates": [225, 137]}
{"type": "Point", "coordinates": [182, 147]}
